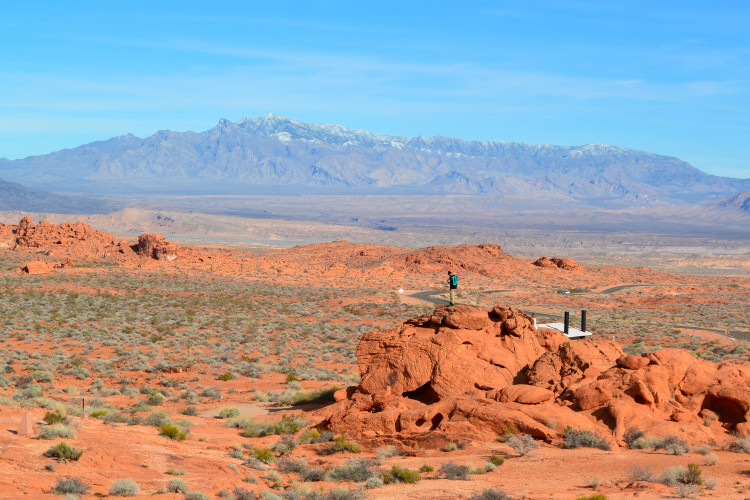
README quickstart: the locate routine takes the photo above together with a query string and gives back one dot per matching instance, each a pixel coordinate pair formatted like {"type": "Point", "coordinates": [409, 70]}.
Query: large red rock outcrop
{"type": "Point", "coordinates": [471, 372]}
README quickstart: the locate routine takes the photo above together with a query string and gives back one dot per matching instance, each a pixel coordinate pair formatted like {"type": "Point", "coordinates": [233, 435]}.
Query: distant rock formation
{"type": "Point", "coordinates": [156, 246]}
{"type": "Point", "coordinates": [557, 263]}
{"type": "Point", "coordinates": [469, 372]}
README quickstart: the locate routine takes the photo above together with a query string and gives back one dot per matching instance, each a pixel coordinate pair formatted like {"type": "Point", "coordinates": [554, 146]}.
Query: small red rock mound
{"type": "Point", "coordinates": [156, 246]}
{"type": "Point", "coordinates": [40, 266]}
{"type": "Point", "coordinates": [481, 259]}
{"type": "Point", "coordinates": [469, 372]}
{"type": "Point", "coordinates": [557, 263]}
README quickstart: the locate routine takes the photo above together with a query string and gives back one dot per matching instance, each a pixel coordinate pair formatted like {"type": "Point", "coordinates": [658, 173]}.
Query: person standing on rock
{"type": "Point", "coordinates": [452, 284]}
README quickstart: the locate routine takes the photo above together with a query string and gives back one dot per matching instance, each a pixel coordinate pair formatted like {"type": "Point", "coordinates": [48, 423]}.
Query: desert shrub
{"type": "Point", "coordinates": [174, 472]}
{"type": "Point", "coordinates": [581, 438]}
{"type": "Point", "coordinates": [57, 416]}
{"type": "Point", "coordinates": [287, 444]}
{"type": "Point", "coordinates": [287, 425]}
{"type": "Point", "coordinates": [686, 491]}
{"type": "Point", "coordinates": [176, 486]}
{"type": "Point", "coordinates": [157, 419]}
{"type": "Point", "coordinates": [309, 436]}
{"type": "Point", "coordinates": [386, 452]}
{"type": "Point", "coordinates": [496, 460]}
{"type": "Point", "coordinates": [124, 488]}
{"type": "Point", "coordinates": [592, 497]}
{"type": "Point", "coordinates": [692, 474]}
{"type": "Point", "coordinates": [242, 494]}
{"type": "Point", "coordinates": [401, 475]}
{"type": "Point", "coordinates": [522, 444]}
{"type": "Point", "coordinates": [710, 459]}
{"type": "Point", "coordinates": [452, 471]}
{"type": "Point", "coordinates": [594, 482]}
{"type": "Point", "coordinates": [313, 475]}
{"type": "Point", "coordinates": [490, 494]}
{"type": "Point", "coordinates": [340, 445]}
{"type": "Point", "coordinates": [341, 494]}
{"type": "Point", "coordinates": [190, 411]}
{"type": "Point", "coordinates": [294, 398]}
{"type": "Point", "coordinates": [63, 451]}
{"type": "Point", "coordinates": [672, 445]}
{"type": "Point", "coordinates": [739, 444]}
{"type": "Point", "coordinates": [287, 465]}
{"type": "Point", "coordinates": [173, 432]}
{"type": "Point", "coordinates": [70, 485]}
{"type": "Point", "coordinates": [639, 473]}
{"type": "Point", "coordinates": [264, 455]}
{"type": "Point", "coordinates": [43, 376]}
{"type": "Point", "coordinates": [211, 392]}
{"type": "Point", "coordinates": [226, 376]}
{"type": "Point", "coordinates": [196, 495]}
{"type": "Point", "coordinates": [56, 431]}
{"type": "Point", "coordinates": [373, 483]}
{"type": "Point", "coordinates": [356, 470]}
{"type": "Point", "coordinates": [632, 435]}
{"type": "Point", "coordinates": [450, 447]}
{"type": "Point", "coordinates": [229, 412]}
{"type": "Point", "coordinates": [155, 398]}
{"type": "Point", "coordinates": [427, 468]}
{"type": "Point", "coordinates": [702, 449]}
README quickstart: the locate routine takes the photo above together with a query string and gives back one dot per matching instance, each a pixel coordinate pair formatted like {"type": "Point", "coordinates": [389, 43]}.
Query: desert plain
{"type": "Point", "coordinates": [337, 370]}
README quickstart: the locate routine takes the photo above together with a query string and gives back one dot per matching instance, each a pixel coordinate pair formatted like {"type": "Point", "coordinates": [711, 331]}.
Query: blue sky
{"type": "Point", "coordinates": [670, 77]}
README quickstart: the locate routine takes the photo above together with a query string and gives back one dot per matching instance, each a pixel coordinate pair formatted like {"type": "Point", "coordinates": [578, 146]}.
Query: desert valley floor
{"type": "Point", "coordinates": [335, 370]}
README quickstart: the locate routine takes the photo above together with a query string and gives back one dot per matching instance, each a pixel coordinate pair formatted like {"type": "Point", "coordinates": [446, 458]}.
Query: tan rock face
{"type": "Point", "coordinates": [472, 372]}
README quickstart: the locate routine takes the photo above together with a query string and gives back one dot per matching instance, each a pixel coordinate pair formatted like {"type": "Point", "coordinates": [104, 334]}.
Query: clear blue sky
{"type": "Point", "coordinates": [670, 77]}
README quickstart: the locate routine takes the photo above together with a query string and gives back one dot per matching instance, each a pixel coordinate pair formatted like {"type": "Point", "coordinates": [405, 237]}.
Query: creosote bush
{"type": "Point", "coordinates": [401, 475]}
{"type": "Point", "coordinates": [173, 432]}
{"type": "Point", "coordinates": [63, 451]}
{"type": "Point", "coordinates": [340, 445]}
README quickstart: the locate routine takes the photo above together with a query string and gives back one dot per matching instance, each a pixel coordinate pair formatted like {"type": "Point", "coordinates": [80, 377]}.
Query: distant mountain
{"type": "Point", "coordinates": [16, 197]}
{"type": "Point", "coordinates": [277, 154]}
{"type": "Point", "coordinates": [740, 201]}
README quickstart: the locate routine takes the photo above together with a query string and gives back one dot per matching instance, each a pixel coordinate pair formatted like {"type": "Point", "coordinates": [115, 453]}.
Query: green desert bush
{"type": "Point", "coordinates": [229, 412]}
{"type": "Point", "coordinates": [401, 475]}
{"type": "Point", "coordinates": [373, 483]}
{"type": "Point", "coordinates": [340, 445]}
{"type": "Point", "coordinates": [124, 488]}
{"type": "Point", "coordinates": [294, 398]}
{"type": "Point", "coordinates": [427, 468]}
{"type": "Point", "coordinates": [172, 431]}
{"type": "Point", "coordinates": [497, 460]}
{"type": "Point", "coordinates": [264, 455]}
{"type": "Point", "coordinates": [63, 451]}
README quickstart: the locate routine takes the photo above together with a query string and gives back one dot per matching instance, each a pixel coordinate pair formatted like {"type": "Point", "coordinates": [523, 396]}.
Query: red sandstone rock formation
{"type": "Point", "coordinates": [155, 246]}
{"type": "Point", "coordinates": [557, 263]}
{"type": "Point", "coordinates": [469, 372]}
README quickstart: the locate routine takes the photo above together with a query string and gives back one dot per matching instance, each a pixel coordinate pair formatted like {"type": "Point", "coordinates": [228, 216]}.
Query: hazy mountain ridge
{"type": "Point", "coordinates": [293, 156]}
{"type": "Point", "coordinates": [16, 197]}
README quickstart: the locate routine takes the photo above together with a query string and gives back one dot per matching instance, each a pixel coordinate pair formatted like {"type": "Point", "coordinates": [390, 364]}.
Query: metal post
{"type": "Point", "coordinates": [567, 322]}
{"type": "Point", "coordinates": [583, 320]}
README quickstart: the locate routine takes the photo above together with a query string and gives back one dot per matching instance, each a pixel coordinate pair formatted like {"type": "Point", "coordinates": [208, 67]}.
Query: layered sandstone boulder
{"type": "Point", "coordinates": [464, 371]}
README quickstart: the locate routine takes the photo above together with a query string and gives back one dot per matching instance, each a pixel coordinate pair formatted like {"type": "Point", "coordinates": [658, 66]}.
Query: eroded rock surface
{"type": "Point", "coordinates": [464, 371]}
{"type": "Point", "coordinates": [557, 263]}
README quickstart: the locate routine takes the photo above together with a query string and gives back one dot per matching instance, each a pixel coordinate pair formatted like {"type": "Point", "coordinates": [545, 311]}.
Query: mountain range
{"type": "Point", "coordinates": [274, 154]}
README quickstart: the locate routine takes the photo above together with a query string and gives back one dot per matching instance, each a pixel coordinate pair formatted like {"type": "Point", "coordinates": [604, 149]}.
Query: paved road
{"type": "Point", "coordinates": [429, 296]}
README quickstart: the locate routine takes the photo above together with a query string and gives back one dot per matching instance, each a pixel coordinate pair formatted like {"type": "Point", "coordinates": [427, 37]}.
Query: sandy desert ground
{"type": "Point", "coordinates": [206, 371]}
